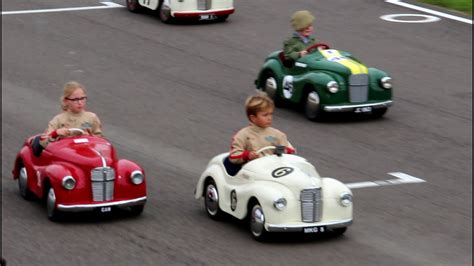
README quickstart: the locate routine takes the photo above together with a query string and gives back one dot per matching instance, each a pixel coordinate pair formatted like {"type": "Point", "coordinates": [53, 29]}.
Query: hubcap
{"type": "Point", "coordinates": [165, 12]}
{"type": "Point", "coordinates": [312, 105]}
{"type": "Point", "coordinates": [257, 220]}
{"type": "Point", "coordinates": [51, 201]}
{"type": "Point", "coordinates": [212, 200]}
{"type": "Point", "coordinates": [23, 181]}
{"type": "Point", "coordinates": [271, 87]}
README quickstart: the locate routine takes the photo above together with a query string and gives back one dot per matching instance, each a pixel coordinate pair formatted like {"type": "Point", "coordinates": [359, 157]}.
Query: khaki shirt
{"type": "Point", "coordinates": [295, 44]}
{"type": "Point", "coordinates": [253, 138]}
{"type": "Point", "coordinates": [86, 121]}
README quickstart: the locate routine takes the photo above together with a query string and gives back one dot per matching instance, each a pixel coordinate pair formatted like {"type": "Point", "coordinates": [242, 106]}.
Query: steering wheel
{"type": "Point", "coordinates": [75, 129]}
{"type": "Point", "coordinates": [260, 151]}
{"type": "Point", "coordinates": [317, 46]}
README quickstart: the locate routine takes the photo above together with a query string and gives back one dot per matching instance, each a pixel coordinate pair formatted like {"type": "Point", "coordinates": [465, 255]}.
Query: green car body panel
{"type": "Point", "coordinates": [358, 85]}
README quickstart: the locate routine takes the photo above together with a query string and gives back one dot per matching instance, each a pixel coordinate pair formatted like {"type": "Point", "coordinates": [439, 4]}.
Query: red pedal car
{"type": "Point", "coordinates": [79, 173]}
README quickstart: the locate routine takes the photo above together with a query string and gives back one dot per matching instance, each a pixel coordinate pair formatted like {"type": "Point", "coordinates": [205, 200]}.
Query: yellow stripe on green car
{"type": "Point", "coordinates": [353, 66]}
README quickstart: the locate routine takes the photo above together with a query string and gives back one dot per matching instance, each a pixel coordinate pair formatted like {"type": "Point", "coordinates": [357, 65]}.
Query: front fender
{"type": "Point", "coordinates": [213, 171]}
{"type": "Point", "coordinates": [124, 188]}
{"type": "Point", "coordinates": [53, 174]}
{"type": "Point", "coordinates": [332, 209]}
{"type": "Point", "coordinates": [273, 65]}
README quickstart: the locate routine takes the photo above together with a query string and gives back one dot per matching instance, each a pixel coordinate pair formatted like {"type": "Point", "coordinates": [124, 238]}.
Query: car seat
{"type": "Point", "coordinates": [231, 168]}
{"type": "Point", "coordinates": [289, 63]}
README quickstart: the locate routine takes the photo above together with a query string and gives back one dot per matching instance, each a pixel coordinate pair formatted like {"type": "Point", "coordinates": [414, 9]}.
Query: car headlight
{"type": "Point", "coordinates": [279, 203]}
{"type": "Point", "coordinates": [346, 199]}
{"type": "Point", "coordinates": [386, 82]}
{"type": "Point", "coordinates": [137, 177]}
{"type": "Point", "coordinates": [68, 182]}
{"type": "Point", "coordinates": [332, 86]}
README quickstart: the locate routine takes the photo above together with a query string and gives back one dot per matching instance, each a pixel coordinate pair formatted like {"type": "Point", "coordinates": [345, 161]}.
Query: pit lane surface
{"type": "Point", "coordinates": [171, 96]}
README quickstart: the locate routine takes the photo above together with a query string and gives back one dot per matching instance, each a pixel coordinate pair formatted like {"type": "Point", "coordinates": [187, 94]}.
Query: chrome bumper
{"type": "Point", "coordinates": [90, 207]}
{"type": "Point", "coordinates": [351, 107]}
{"type": "Point", "coordinates": [300, 227]}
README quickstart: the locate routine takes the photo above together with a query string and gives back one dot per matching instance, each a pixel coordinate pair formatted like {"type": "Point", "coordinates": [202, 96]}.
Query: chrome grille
{"type": "Point", "coordinates": [358, 88]}
{"type": "Point", "coordinates": [102, 183]}
{"type": "Point", "coordinates": [311, 205]}
{"type": "Point", "coordinates": [204, 4]}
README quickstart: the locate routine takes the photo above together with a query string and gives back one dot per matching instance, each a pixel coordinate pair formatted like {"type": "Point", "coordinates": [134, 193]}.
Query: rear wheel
{"type": "Point", "coordinates": [312, 106]}
{"type": "Point", "coordinates": [338, 231]}
{"type": "Point", "coordinates": [164, 12]}
{"type": "Point", "coordinates": [271, 89]}
{"type": "Point", "coordinates": [25, 192]}
{"type": "Point", "coordinates": [211, 200]}
{"type": "Point", "coordinates": [257, 222]}
{"type": "Point", "coordinates": [53, 213]}
{"type": "Point", "coordinates": [134, 6]}
{"type": "Point", "coordinates": [222, 18]}
{"type": "Point", "coordinates": [379, 112]}
{"type": "Point", "coordinates": [137, 210]}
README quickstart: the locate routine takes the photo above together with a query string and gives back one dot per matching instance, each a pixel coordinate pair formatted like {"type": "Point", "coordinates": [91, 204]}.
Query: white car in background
{"type": "Point", "coordinates": [169, 10]}
{"type": "Point", "coordinates": [277, 193]}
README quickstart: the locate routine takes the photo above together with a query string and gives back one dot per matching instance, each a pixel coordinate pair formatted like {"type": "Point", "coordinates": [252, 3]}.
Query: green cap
{"type": "Point", "coordinates": [301, 19]}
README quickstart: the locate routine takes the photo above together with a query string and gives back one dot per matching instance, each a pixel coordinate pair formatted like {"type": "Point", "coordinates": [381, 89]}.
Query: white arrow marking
{"type": "Point", "coordinates": [402, 179]}
{"type": "Point", "coordinates": [426, 10]}
{"type": "Point", "coordinates": [106, 5]}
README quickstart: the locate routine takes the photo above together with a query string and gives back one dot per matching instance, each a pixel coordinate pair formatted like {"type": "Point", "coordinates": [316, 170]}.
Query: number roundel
{"type": "Point", "coordinates": [282, 171]}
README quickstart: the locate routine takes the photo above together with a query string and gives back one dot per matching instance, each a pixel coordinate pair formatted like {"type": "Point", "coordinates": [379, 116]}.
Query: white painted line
{"type": "Point", "coordinates": [424, 18]}
{"type": "Point", "coordinates": [105, 6]}
{"type": "Point", "coordinates": [402, 179]}
{"type": "Point", "coordinates": [430, 11]}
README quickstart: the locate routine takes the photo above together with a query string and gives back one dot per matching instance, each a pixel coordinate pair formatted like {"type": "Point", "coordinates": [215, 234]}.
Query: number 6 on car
{"type": "Point", "coordinates": [277, 193]}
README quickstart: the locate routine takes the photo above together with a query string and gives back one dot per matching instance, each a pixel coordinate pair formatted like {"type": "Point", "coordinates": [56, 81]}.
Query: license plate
{"type": "Point", "coordinates": [105, 209]}
{"type": "Point", "coordinates": [207, 17]}
{"type": "Point", "coordinates": [363, 109]}
{"type": "Point", "coordinates": [314, 229]}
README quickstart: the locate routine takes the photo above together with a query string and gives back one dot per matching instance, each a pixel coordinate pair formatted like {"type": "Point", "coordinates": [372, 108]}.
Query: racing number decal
{"type": "Point", "coordinates": [288, 87]}
{"type": "Point", "coordinates": [282, 171]}
{"type": "Point", "coordinates": [233, 200]}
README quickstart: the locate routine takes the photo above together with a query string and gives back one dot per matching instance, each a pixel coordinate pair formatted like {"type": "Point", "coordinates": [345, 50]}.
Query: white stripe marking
{"type": "Point", "coordinates": [105, 6]}
{"type": "Point", "coordinates": [430, 11]}
{"type": "Point", "coordinates": [402, 179]}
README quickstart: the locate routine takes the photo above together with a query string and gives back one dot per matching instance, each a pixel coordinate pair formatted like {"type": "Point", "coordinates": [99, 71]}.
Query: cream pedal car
{"type": "Point", "coordinates": [168, 10]}
{"type": "Point", "coordinates": [277, 193]}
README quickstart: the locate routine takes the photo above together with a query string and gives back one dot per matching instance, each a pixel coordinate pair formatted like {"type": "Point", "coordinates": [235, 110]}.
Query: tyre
{"type": "Point", "coordinates": [211, 200]}
{"type": "Point", "coordinates": [338, 231]}
{"type": "Point", "coordinates": [379, 112]}
{"type": "Point", "coordinates": [222, 18]}
{"type": "Point", "coordinates": [257, 223]}
{"type": "Point", "coordinates": [53, 213]}
{"type": "Point", "coordinates": [25, 192]}
{"type": "Point", "coordinates": [164, 12]}
{"type": "Point", "coordinates": [312, 107]}
{"type": "Point", "coordinates": [137, 210]}
{"type": "Point", "coordinates": [134, 6]}
{"type": "Point", "coordinates": [271, 89]}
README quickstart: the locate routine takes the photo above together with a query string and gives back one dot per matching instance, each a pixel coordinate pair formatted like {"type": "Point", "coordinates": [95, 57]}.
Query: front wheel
{"type": "Point", "coordinates": [312, 106]}
{"type": "Point", "coordinates": [134, 6]}
{"type": "Point", "coordinates": [211, 200]}
{"type": "Point", "coordinates": [136, 210]}
{"type": "Point", "coordinates": [338, 231]}
{"type": "Point", "coordinates": [53, 213]}
{"type": "Point", "coordinates": [257, 223]}
{"type": "Point", "coordinates": [222, 18]}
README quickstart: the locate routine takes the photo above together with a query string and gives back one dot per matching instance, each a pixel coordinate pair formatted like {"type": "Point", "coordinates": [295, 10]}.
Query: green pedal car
{"type": "Point", "coordinates": [324, 81]}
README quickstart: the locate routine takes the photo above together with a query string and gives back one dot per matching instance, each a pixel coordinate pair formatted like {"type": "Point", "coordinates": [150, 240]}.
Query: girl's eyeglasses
{"type": "Point", "coordinates": [80, 99]}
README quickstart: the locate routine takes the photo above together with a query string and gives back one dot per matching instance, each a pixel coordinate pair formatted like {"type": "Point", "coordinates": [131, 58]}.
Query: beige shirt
{"type": "Point", "coordinates": [86, 121]}
{"type": "Point", "coordinates": [253, 138]}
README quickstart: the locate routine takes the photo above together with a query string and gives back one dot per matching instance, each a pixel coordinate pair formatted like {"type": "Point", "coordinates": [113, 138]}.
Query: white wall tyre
{"type": "Point", "coordinates": [270, 87]}
{"type": "Point", "coordinates": [211, 200]}
{"type": "Point", "coordinates": [164, 12]}
{"type": "Point", "coordinates": [257, 222]}
{"type": "Point", "coordinates": [312, 106]}
{"type": "Point", "coordinates": [23, 185]}
{"type": "Point", "coordinates": [53, 213]}
{"type": "Point", "coordinates": [134, 6]}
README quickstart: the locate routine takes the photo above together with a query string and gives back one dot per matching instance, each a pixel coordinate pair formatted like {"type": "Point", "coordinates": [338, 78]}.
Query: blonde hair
{"type": "Point", "coordinates": [257, 103]}
{"type": "Point", "coordinates": [69, 89]}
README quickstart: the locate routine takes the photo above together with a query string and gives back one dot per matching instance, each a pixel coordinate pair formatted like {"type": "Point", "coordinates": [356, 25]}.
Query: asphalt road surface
{"type": "Point", "coordinates": [171, 96]}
